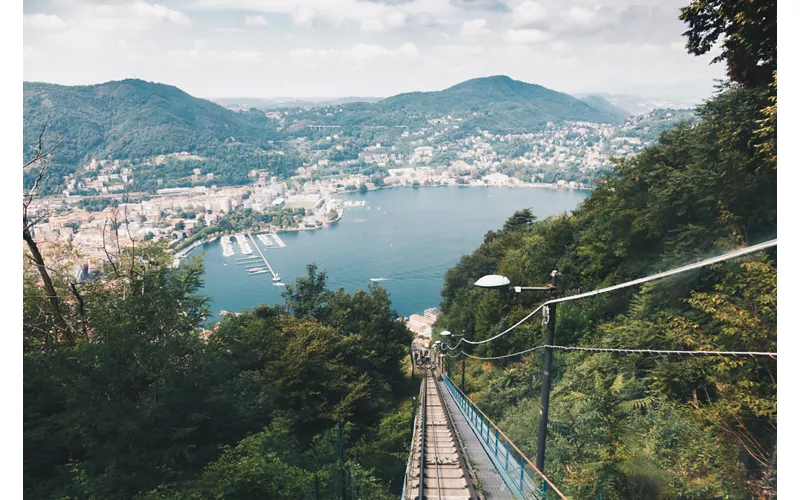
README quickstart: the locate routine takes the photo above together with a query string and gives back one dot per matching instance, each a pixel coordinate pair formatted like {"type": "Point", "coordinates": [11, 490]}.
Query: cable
{"type": "Point", "coordinates": [498, 357]}
{"type": "Point", "coordinates": [639, 281]}
{"type": "Point", "coordinates": [688, 267]}
{"type": "Point", "coordinates": [501, 333]}
{"type": "Point", "coordinates": [773, 355]}
{"type": "Point", "coordinates": [752, 354]}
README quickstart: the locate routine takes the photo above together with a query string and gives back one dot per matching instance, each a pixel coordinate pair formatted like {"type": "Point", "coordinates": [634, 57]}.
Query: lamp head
{"type": "Point", "coordinates": [494, 281]}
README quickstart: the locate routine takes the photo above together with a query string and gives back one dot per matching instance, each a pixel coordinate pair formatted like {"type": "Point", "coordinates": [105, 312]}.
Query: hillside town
{"type": "Point", "coordinates": [101, 198]}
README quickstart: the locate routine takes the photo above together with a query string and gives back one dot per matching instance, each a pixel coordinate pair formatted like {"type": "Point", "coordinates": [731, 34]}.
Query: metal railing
{"type": "Point", "coordinates": [519, 474]}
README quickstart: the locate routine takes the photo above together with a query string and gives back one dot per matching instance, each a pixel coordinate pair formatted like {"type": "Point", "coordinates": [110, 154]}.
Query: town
{"type": "Point", "coordinates": [101, 198]}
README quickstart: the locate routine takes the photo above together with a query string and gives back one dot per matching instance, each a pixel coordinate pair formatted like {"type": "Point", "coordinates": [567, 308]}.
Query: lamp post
{"type": "Point", "coordinates": [463, 368]}
{"type": "Point", "coordinates": [446, 336]}
{"type": "Point", "coordinates": [497, 282]}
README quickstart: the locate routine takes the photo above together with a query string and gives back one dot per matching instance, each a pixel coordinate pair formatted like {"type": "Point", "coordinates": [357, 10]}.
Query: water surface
{"type": "Point", "coordinates": [410, 236]}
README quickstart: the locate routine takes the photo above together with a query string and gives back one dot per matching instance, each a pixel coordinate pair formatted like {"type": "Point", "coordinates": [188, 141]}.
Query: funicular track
{"type": "Point", "coordinates": [437, 469]}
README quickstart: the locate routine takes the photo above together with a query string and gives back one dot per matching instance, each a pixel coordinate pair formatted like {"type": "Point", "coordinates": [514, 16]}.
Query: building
{"type": "Point", "coordinates": [431, 315]}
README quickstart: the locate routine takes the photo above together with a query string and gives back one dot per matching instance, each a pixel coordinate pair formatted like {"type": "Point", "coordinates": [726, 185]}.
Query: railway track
{"type": "Point", "coordinates": [437, 469]}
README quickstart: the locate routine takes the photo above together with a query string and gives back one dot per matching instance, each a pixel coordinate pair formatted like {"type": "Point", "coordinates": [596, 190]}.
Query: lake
{"type": "Point", "coordinates": [409, 236]}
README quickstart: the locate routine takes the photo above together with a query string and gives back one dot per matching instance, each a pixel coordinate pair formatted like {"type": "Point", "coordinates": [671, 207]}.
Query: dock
{"type": "Point", "coordinates": [275, 276]}
{"type": "Point", "coordinates": [277, 239]}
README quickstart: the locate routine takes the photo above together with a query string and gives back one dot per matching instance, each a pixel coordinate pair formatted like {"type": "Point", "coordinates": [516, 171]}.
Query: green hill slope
{"type": "Point", "coordinates": [502, 102]}
{"type": "Point", "coordinates": [130, 118]}
{"type": "Point", "coordinates": [495, 103]}
{"type": "Point", "coordinates": [601, 103]}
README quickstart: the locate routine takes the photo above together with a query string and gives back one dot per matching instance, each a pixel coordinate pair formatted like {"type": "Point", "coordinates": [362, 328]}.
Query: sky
{"type": "Point", "coordinates": [376, 48]}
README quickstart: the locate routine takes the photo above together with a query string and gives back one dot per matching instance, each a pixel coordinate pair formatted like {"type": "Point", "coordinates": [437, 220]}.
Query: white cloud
{"type": "Point", "coordinates": [158, 12]}
{"type": "Point", "coordinates": [409, 49]}
{"type": "Point", "coordinates": [246, 56]}
{"type": "Point", "coordinates": [388, 21]}
{"type": "Point", "coordinates": [581, 16]}
{"type": "Point", "coordinates": [367, 52]}
{"type": "Point", "coordinates": [360, 55]}
{"type": "Point", "coordinates": [475, 28]}
{"type": "Point", "coordinates": [43, 21]}
{"type": "Point", "coordinates": [528, 13]}
{"type": "Point", "coordinates": [523, 36]}
{"type": "Point", "coordinates": [305, 17]}
{"type": "Point", "coordinates": [255, 21]}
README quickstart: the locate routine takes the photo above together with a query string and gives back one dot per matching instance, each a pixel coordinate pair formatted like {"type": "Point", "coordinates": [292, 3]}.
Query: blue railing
{"type": "Point", "coordinates": [520, 476]}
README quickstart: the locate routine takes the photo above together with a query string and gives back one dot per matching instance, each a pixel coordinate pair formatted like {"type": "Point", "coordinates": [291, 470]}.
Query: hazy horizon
{"type": "Point", "coordinates": [652, 94]}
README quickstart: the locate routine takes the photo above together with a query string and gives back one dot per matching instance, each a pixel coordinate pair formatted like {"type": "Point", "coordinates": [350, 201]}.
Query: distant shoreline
{"type": "Point", "coordinates": [540, 185]}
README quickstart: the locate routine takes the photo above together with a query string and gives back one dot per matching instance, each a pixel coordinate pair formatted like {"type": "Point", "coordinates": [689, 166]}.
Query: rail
{"type": "Point", "coordinates": [519, 474]}
{"type": "Point", "coordinates": [436, 468]}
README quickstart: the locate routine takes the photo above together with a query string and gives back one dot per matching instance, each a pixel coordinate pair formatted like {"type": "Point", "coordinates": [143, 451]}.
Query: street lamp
{"type": "Point", "coordinates": [498, 282]}
{"type": "Point", "coordinates": [446, 336]}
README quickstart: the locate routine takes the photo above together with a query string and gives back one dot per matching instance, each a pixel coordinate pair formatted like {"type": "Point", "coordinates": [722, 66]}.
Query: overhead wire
{"type": "Point", "coordinates": [752, 354]}
{"type": "Point", "coordinates": [665, 352]}
{"type": "Point", "coordinates": [639, 281]}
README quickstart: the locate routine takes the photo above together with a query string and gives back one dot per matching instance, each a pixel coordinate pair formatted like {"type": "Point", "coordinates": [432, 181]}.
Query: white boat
{"type": "Point", "coordinates": [279, 284]}
{"type": "Point", "coordinates": [260, 271]}
{"type": "Point", "coordinates": [276, 278]}
{"type": "Point", "coordinates": [378, 279]}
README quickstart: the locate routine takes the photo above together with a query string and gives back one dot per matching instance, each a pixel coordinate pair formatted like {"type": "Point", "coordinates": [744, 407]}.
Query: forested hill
{"type": "Point", "coordinates": [495, 103]}
{"type": "Point", "coordinates": [601, 103]}
{"type": "Point", "coordinates": [131, 119]}
{"type": "Point", "coordinates": [501, 99]}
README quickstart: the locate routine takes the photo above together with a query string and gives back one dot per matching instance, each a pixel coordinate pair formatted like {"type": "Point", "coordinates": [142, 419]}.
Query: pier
{"type": "Point", "coordinates": [275, 276]}
{"type": "Point", "coordinates": [277, 239]}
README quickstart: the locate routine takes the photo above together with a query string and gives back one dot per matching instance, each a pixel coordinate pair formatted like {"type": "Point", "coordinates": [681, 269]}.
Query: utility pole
{"type": "Point", "coordinates": [544, 404]}
{"type": "Point", "coordinates": [341, 460]}
{"type": "Point", "coordinates": [463, 369]}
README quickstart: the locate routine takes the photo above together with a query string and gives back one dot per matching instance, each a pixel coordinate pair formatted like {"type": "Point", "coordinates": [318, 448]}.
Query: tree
{"type": "Point", "coordinates": [40, 160]}
{"type": "Point", "coordinates": [362, 188]}
{"type": "Point", "coordinates": [749, 33]}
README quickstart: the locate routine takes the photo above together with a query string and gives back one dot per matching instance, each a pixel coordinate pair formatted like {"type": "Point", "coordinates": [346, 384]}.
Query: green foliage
{"type": "Point", "coordinates": [148, 404]}
{"type": "Point", "coordinates": [748, 30]}
{"type": "Point", "coordinates": [640, 426]}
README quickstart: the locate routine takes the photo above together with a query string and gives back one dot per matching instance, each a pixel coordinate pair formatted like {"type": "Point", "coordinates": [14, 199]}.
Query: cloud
{"type": "Point", "coordinates": [246, 56]}
{"type": "Point", "coordinates": [387, 2]}
{"type": "Point", "coordinates": [581, 16]}
{"type": "Point", "coordinates": [255, 21]}
{"type": "Point", "coordinates": [159, 13]}
{"type": "Point", "coordinates": [475, 28]}
{"type": "Point", "coordinates": [528, 13]}
{"type": "Point", "coordinates": [359, 54]}
{"type": "Point", "coordinates": [388, 21]}
{"type": "Point", "coordinates": [491, 5]}
{"type": "Point", "coordinates": [523, 36]}
{"type": "Point", "coordinates": [409, 49]}
{"type": "Point", "coordinates": [43, 21]}
{"type": "Point", "coordinates": [305, 17]}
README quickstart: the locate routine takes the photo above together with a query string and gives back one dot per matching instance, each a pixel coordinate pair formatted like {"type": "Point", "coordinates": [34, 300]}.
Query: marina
{"type": "Point", "coordinates": [244, 245]}
{"type": "Point", "coordinates": [227, 246]}
{"type": "Point", "coordinates": [277, 239]}
{"type": "Point", "coordinates": [263, 238]}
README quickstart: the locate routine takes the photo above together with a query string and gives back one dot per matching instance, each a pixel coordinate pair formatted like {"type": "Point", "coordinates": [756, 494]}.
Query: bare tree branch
{"type": "Point", "coordinates": [58, 317]}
